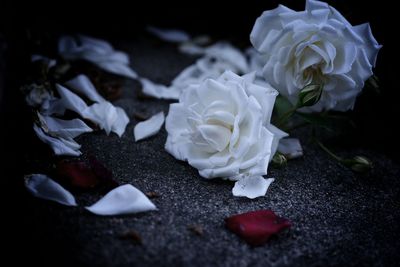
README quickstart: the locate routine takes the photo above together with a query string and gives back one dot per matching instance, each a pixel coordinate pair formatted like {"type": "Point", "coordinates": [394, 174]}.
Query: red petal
{"type": "Point", "coordinates": [104, 175]}
{"type": "Point", "coordinates": [77, 174]}
{"type": "Point", "coordinates": [256, 227]}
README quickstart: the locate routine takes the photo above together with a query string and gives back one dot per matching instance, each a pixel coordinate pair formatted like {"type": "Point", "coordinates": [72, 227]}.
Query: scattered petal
{"type": "Point", "coordinates": [60, 146]}
{"type": "Point", "coordinates": [159, 90]}
{"type": "Point", "coordinates": [149, 127]}
{"type": "Point", "coordinates": [99, 52]}
{"type": "Point", "coordinates": [290, 147]}
{"type": "Point", "coordinates": [78, 174]}
{"type": "Point", "coordinates": [70, 101]}
{"type": "Point", "coordinates": [103, 174]}
{"type": "Point", "coordinates": [82, 85]}
{"type": "Point", "coordinates": [104, 114]}
{"type": "Point", "coordinates": [121, 122]}
{"type": "Point", "coordinates": [169, 35]}
{"type": "Point", "coordinates": [118, 68]}
{"type": "Point", "coordinates": [42, 186]}
{"type": "Point", "coordinates": [67, 129]}
{"type": "Point", "coordinates": [190, 48]}
{"type": "Point", "coordinates": [251, 187]}
{"type": "Point", "coordinates": [226, 52]}
{"type": "Point", "coordinates": [256, 227]}
{"type": "Point", "coordinates": [125, 199]}
{"type": "Point", "coordinates": [107, 117]}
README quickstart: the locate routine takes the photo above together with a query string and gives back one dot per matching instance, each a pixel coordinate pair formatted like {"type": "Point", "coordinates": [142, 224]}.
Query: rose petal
{"type": "Point", "coordinates": [149, 127]}
{"type": "Point", "coordinates": [125, 199]}
{"type": "Point", "coordinates": [290, 147]}
{"type": "Point", "coordinates": [256, 227]}
{"type": "Point", "coordinates": [82, 85]}
{"type": "Point", "coordinates": [77, 174]}
{"type": "Point", "coordinates": [41, 186]}
{"type": "Point", "coordinates": [121, 122]}
{"type": "Point", "coordinates": [64, 128]}
{"type": "Point", "coordinates": [118, 68]}
{"type": "Point", "coordinates": [226, 52]}
{"type": "Point", "coordinates": [159, 90]}
{"type": "Point", "coordinates": [97, 51]}
{"type": "Point", "coordinates": [59, 145]}
{"type": "Point", "coordinates": [169, 35]}
{"type": "Point", "coordinates": [103, 174]}
{"type": "Point", "coordinates": [251, 187]}
{"type": "Point", "coordinates": [70, 100]}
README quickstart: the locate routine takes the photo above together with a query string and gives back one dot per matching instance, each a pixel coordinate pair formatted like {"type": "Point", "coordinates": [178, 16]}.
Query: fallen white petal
{"type": "Point", "coordinates": [125, 199]}
{"type": "Point", "coordinates": [252, 186]}
{"type": "Point", "coordinates": [42, 186]}
{"type": "Point", "coordinates": [191, 48]}
{"type": "Point", "coordinates": [82, 85]}
{"type": "Point", "coordinates": [70, 100]}
{"type": "Point", "coordinates": [169, 35]}
{"type": "Point", "coordinates": [60, 146]}
{"type": "Point", "coordinates": [159, 90]}
{"type": "Point", "coordinates": [120, 123]}
{"type": "Point", "coordinates": [226, 52]}
{"type": "Point", "coordinates": [103, 114]}
{"type": "Point", "coordinates": [290, 147]}
{"type": "Point", "coordinates": [64, 128]}
{"type": "Point", "coordinates": [149, 127]}
{"type": "Point", "coordinates": [99, 52]}
{"type": "Point", "coordinates": [118, 68]}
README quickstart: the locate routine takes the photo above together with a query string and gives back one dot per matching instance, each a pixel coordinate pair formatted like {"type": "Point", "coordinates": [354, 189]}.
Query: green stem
{"type": "Point", "coordinates": [328, 151]}
{"type": "Point", "coordinates": [300, 125]}
{"type": "Point", "coordinates": [282, 119]}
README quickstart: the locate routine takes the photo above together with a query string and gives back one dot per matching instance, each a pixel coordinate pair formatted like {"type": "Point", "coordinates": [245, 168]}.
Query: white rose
{"type": "Point", "coordinates": [317, 45]}
{"type": "Point", "coordinates": [222, 127]}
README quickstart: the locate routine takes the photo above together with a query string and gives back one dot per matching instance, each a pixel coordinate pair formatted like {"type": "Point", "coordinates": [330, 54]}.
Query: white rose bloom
{"type": "Point", "coordinates": [222, 127]}
{"type": "Point", "coordinates": [317, 45]}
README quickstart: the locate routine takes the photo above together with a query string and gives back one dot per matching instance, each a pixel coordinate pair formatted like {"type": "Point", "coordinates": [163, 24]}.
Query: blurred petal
{"type": "Point", "coordinates": [290, 147]}
{"type": "Point", "coordinates": [60, 146]}
{"type": "Point", "coordinates": [82, 85]}
{"type": "Point", "coordinates": [149, 127]}
{"type": "Point", "coordinates": [70, 100]}
{"type": "Point", "coordinates": [118, 68]}
{"type": "Point", "coordinates": [159, 90]}
{"type": "Point", "coordinates": [64, 128]}
{"type": "Point", "coordinates": [42, 186]}
{"type": "Point", "coordinates": [120, 123]}
{"type": "Point", "coordinates": [169, 35]}
{"type": "Point", "coordinates": [125, 199]}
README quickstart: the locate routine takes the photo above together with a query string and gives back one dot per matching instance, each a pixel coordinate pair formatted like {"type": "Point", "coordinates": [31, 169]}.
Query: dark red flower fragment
{"type": "Point", "coordinates": [81, 175]}
{"type": "Point", "coordinates": [256, 227]}
{"type": "Point", "coordinates": [105, 175]}
{"type": "Point", "coordinates": [77, 174]}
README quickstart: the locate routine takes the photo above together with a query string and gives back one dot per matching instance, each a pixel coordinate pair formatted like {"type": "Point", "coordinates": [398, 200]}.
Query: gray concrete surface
{"type": "Point", "coordinates": [339, 218]}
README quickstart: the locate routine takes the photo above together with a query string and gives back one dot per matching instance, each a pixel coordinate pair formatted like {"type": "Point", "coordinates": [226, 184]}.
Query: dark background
{"type": "Point", "coordinates": [376, 114]}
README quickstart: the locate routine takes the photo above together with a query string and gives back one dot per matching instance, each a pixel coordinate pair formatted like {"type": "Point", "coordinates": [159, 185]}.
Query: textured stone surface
{"type": "Point", "coordinates": [339, 218]}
